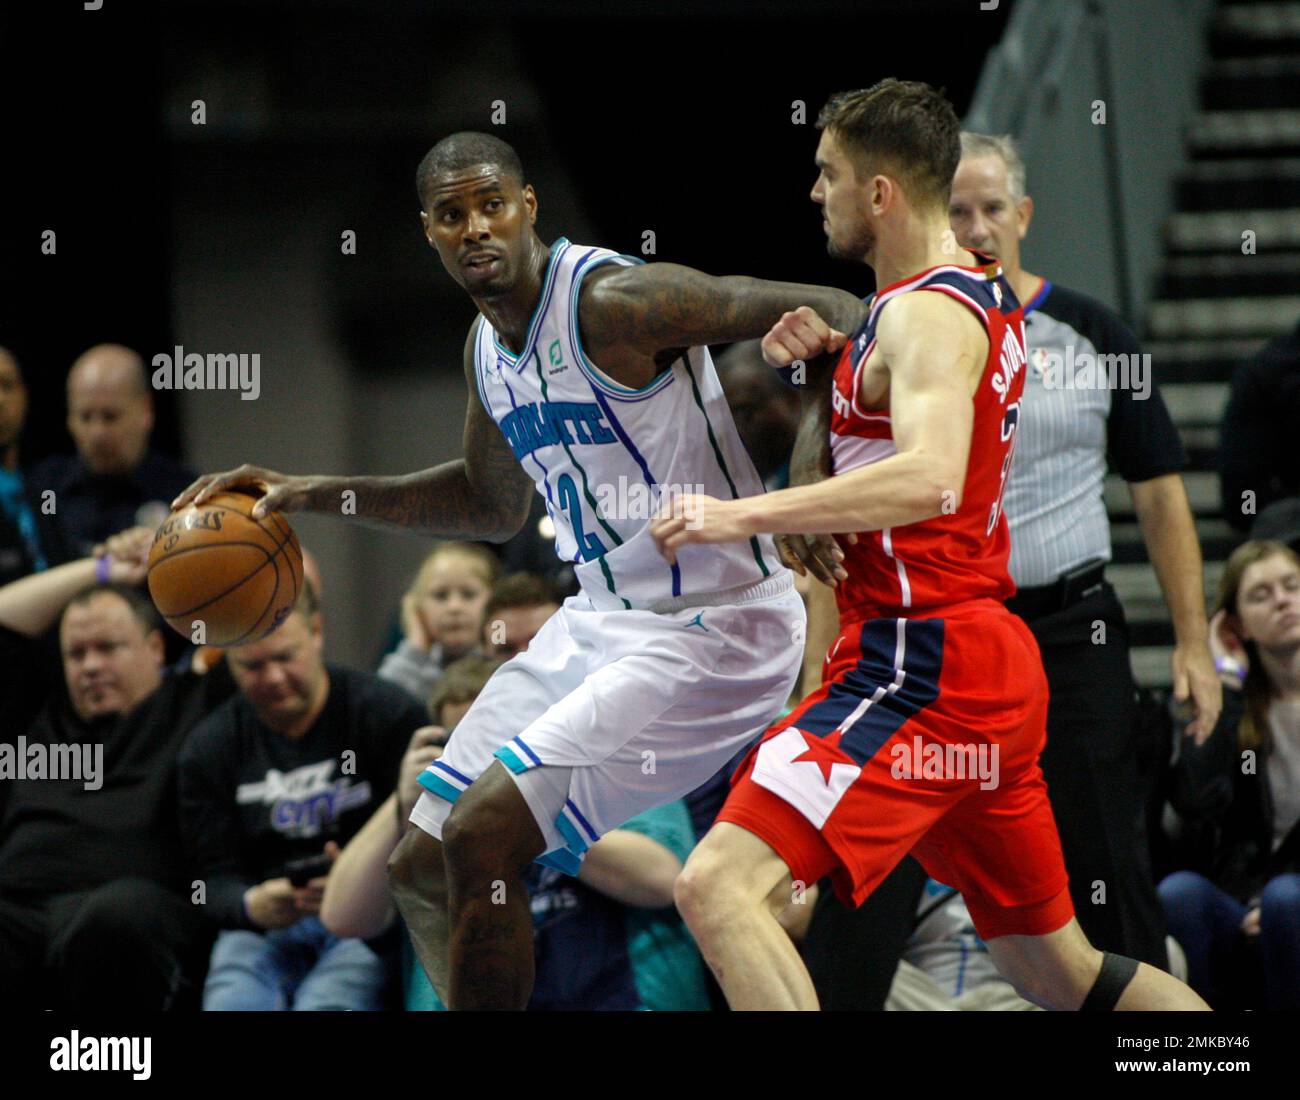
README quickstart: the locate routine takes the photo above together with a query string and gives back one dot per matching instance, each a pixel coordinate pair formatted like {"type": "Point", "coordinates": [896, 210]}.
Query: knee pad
{"type": "Point", "coordinates": [1116, 972]}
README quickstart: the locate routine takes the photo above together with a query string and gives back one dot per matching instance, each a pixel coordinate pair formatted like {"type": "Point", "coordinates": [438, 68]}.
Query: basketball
{"type": "Point", "coordinates": [216, 565]}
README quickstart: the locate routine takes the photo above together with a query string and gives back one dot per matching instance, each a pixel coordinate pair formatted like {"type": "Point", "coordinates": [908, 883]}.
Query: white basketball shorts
{"type": "Point", "coordinates": [608, 714]}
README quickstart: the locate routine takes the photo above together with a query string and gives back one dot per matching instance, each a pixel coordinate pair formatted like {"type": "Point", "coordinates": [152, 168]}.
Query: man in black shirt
{"type": "Point", "coordinates": [94, 903]}
{"type": "Point", "coordinates": [286, 771]}
{"type": "Point", "coordinates": [1259, 463]}
{"type": "Point", "coordinates": [115, 480]}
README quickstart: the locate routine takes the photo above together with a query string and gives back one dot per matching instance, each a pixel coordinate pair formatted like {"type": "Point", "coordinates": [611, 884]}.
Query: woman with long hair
{"type": "Point", "coordinates": [1238, 792]}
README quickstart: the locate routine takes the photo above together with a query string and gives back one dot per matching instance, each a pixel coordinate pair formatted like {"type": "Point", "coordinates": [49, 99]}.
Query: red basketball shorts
{"type": "Point", "coordinates": [923, 737]}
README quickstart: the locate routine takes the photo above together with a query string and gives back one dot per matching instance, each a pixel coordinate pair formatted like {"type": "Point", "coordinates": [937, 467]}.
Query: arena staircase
{"type": "Point", "coordinates": [1214, 304]}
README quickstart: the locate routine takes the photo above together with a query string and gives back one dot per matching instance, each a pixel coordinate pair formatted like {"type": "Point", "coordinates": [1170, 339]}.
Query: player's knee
{"type": "Point", "coordinates": [416, 864]}
{"type": "Point", "coordinates": [705, 888]}
{"type": "Point", "coordinates": [489, 831]}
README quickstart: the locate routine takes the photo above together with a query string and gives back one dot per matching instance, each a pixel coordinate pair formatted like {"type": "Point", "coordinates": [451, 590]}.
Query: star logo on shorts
{"type": "Point", "coordinates": [825, 752]}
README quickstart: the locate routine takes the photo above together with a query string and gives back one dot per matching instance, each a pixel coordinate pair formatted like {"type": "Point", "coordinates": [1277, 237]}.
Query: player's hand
{"type": "Point", "coordinates": [271, 904]}
{"type": "Point", "coordinates": [818, 555]}
{"type": "Point", "coordinates": [801, 334]}
{"type": "Point", "coordinates": [1194, 677]}
{"type": "Point", "coordinates": [279, 492]}
{"type": "Point", "coordinates": [693, 517]}
{"type": "Point", "coordinates": [425, 747]}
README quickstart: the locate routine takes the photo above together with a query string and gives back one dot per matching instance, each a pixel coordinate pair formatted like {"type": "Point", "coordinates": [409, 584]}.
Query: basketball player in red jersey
{"type": "Point", "coordinates": [926, 731]}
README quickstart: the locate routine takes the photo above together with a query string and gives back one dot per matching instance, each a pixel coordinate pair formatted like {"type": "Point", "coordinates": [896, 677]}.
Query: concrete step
{"type": "Point", "coordinates": [1255, 29]}
{"type": "Point", "coordinates": [1260, 316]}
{"type": "Point", "coordinates": [1244, 82]}
{"type": "Point", "coordinates": [1150, 665]}
{"type": "Point", "coordinates": [1195, 403]}
{"type": "Point", "coordinates": [1217, 540]}
{"type": "Point", "coordinates": [1257, 183]}
{"type": "Point", "coordinates": [1202, 494]}
{"type": "Point", "coordinates": [1199, 360]}
{"type": "Point", "coordinates": [1252, 132]}
{"type": "Point", "coordinates": [1230, 275]}
{"type": "Point", "coordinates": [1221, 231]}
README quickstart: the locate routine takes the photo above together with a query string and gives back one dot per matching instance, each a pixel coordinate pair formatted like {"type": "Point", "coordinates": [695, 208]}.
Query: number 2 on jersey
{"type": "Point", "coordinates": [589, 546]}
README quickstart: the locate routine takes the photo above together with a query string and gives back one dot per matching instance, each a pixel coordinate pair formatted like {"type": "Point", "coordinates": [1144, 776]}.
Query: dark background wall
{"type": "Point", "coordinates": [225, 237]}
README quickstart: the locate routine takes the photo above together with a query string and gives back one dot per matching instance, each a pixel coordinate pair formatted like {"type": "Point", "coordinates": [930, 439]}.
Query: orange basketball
{"type": "Point", "coordinates": [215, 564]}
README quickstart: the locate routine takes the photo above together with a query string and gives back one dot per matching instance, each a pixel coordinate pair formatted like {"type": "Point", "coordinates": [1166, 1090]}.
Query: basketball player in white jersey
{"type": "Point", "coordinates": [589, 380]}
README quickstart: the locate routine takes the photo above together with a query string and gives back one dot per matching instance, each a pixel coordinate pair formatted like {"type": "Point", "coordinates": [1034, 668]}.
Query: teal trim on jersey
{"type": "Point", "coordinates": [558, 249]}
{"type": "Point", "coordinates": [586, 492]}
{"type": "Point", "coordinates": [436, 785]}
{"type": "Point", "coordinates": [722, 462]}
{"type": "Point", "coordinates": [511, 760]}
{"type": "Point", "coordinates": [561, 860]}
{"type": "Point", "coordinates": [593, 372]}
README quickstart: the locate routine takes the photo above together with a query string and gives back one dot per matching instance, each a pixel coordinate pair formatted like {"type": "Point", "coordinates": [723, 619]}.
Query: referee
{"type": "Point", "coordinates": [1070, 425]}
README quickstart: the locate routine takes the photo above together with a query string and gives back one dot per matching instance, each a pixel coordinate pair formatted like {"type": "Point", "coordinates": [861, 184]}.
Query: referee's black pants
{"type": "Point", "coordinates": [1094, 777]}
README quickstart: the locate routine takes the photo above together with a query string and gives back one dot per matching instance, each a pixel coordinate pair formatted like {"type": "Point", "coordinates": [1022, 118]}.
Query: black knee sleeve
{"type": "Point", "coordinates": [1116, 972]}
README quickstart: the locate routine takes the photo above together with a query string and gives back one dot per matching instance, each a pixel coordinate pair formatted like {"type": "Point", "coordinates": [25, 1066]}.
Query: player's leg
{"type": "Point", "coordinates": [731, 893]}
{"type": "Point", "coordinates": [489, 839]}
{"type": "Point", "coordinates": [417, 879]}
{"type": "Point", "coordinates": [1062, 970]}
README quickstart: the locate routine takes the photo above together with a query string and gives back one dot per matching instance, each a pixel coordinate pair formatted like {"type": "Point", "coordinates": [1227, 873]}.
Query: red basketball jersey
{"type": "Point", "coordinates": [958, 555]}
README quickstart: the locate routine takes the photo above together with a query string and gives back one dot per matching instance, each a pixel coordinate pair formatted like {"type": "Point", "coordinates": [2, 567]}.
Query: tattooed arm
{"type": "Point", "coordinates": [484, 495]}
{"type": "Point", "coordinates": [633, 317]}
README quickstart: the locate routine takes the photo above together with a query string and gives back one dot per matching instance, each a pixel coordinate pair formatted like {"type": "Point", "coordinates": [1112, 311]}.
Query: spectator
{"type": "Point", "coordinates": [287, 770]}
{"type": "Point", "coordinates": [765, 409]}
{"type": "Point", "coordinates": [518, 607]}
{"type": "Point", "coordinates": [20, 544]}
{"type": "Point", "coordinates": [95, 907]}
{"type": "Point", "coordinates": [1258, 460]}
{"type": "Point", "coordinates": [1238, 904]}
{"type": "Point", "coordinates": [442, 615]}
{"type": "Point", "coordinates": [945, 964]}
{"type": "Point", "coordinates": [115, 481]}
{"type": "Point", "coordinates": [610, 939]}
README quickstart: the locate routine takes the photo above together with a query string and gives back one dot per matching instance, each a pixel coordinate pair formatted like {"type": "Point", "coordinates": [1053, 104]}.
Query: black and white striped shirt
{"type": "Point", "coordinates": [1089, 399]}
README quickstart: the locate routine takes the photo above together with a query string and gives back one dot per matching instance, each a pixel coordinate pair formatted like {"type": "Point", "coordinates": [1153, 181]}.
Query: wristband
{"type": "Point", "coordinates": [1229, 666]}
{"type": "Point", "coordinates": [101, 569]}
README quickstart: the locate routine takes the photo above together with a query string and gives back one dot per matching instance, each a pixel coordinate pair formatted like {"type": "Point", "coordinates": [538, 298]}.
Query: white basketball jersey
{"type": "Point", "coordinates": [604, 456]}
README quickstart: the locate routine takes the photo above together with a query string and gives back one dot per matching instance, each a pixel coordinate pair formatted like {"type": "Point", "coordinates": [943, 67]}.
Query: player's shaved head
{"type": "Point", "coordinates": [458, 153]}
{"type": "Point", "coordinates": [902, 128]}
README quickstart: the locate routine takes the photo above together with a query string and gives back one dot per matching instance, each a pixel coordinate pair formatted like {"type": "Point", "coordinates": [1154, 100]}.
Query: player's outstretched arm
{"type": "Point", "coordinates": [934, 349]}
{"type": "Point", "coordinates": [484, 495]}
{"type": "Point", "coordinates": [651, 308]}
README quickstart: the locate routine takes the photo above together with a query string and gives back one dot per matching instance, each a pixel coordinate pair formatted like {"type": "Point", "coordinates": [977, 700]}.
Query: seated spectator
{"type": "Point", "coordinates": [945, 965]}
{"type": "Point", "coordinates": [115, 480]}
{"type": "Point", "coordinates": [609, 939]}
{"type": "Point", "coordinates": [1258, 461]}
{"type": "Point", "coordinates": [95, 905]}
{"type": "Point", "coordinates": [765, 409]}
{"type": "Point", "coordinates": [1237, 905]}
{"type": "Point", "coordinates": [286, 772]}
{"type": "Point", "coordinates": [442, 615]}
{"type": "Point", "coordinates": [20, 544]}
{"type": "Point", "coordinates": [518, 607]}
